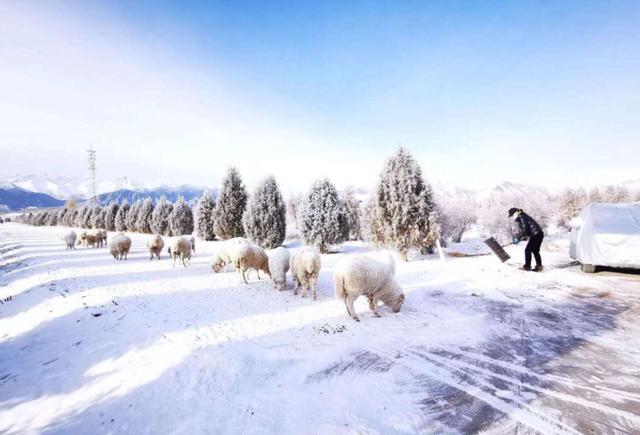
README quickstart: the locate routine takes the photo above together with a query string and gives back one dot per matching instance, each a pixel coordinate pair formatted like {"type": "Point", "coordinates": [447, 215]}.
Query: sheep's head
{"type": "Point", "coordinates": [218, 264]}
{"type": "Point", "coordinates": [395, 300]}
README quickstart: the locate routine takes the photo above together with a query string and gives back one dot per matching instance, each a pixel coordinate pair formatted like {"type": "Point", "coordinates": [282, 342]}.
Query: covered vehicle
{"type": "Point", "coordinates": [607, 235]}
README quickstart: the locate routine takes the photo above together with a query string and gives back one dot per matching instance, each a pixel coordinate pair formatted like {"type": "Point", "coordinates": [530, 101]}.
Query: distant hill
{"type": "Point", "coordinates": [17, 198]}
{"type": "Point", "coordinates": [191, 194]}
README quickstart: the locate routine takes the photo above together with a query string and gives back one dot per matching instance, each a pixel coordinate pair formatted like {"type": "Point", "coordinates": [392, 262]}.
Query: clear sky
{"type": "Point", "coordinates": [173, 92]}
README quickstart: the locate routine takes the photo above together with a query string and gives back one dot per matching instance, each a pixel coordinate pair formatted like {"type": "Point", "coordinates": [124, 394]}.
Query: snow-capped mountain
{"type": "Point", "coordinates": [65, 187]}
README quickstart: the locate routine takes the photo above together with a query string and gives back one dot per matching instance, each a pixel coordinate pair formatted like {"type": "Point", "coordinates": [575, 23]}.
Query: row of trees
{"type": "Point", "coordinates": [572, 200]}
{"type": "Point", "coordinates": [143, 216]}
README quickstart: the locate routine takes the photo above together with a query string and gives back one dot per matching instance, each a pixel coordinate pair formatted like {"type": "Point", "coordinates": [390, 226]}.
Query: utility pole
{"type": "Point", "coordinates": [91, 155]}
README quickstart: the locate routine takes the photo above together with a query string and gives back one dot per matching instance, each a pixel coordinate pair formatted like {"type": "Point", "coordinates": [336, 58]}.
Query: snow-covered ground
{"type": "Point", "coordinates": [92, 345]}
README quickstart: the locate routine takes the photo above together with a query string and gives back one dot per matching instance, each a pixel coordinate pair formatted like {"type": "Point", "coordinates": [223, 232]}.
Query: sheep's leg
{"type": "Point", "coordinates": [350, 308]}
{"type": "Point", "coordinates": [314, 287]}
{"type": "Point", "coordinates": [373, 304]}
{"type": "Point", "coordinates": [305, 285]}
{"type": "Point", "coordinates": [244, 277]}
{"type": "Point", "coordinates": [174, 261]}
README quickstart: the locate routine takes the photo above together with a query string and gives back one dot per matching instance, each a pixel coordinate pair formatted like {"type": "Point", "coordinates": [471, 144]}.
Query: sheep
{"type": "Point", "coordinates": [361, 275]}
{"type": "Point", "coordinates": [180, 248]}
{"type": "Point", "coordinates": [119, 246]}
{"type": "Point", "coordinates": [229, 253]}
{"type": "Point", "coordinates": [305, 268]}
{"type": "Point", "coordinates": [155, 245]}
{"type": "Point", "coordinates": [70, 239]}
{"type": "Point", "coordinates": [279, 259]}
{"type": "Point", "coordinates": [87, 239]}
{"type": "Point", "coordinates": [251, 257]}
{"type": "Point", "coordinates": [100, 236]}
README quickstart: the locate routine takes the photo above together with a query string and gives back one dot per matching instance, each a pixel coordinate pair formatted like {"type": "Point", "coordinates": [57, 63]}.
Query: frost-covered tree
{"type": "Point", "coordinates": [143, 222]}
{"type": "Point", "coordinates": [293, 208]}
{"type": "Point", "coordinates": [227, 216]}
{"type": "Point", "coordinates": [570, 205]}
{"type": "Point", "coordinates": [87, 213]}
{"type": "Point", "coordinates": [403, 203]}
{"type": "Point", "coordinates": [110, 216]}
{"type": "Point", "coordinates": [353, 214]}
{"type": "Point", "coordinates": [160, 217]}
{"type": "Point", "coordinates": [181, 218]}
{"type": "Point", "coordinates": [71, 217]}
{"type": "Point", "coordinates": [456, 215]}
{"type": "Point", "coordinates": [434, 234]}
{"type": "Point", "coordinates": [121, 216]}
{"type": "Point", "coordinates": [62, 214]}
{"type": "Point", "coordinates": [595, 195]}
{"type": "Point", "coordinates": [132, 216]}
{"type": "Point", "coordinates": [320, 216]}
{"type": "Point", "coordinates": [204, 216]}
{"type": "Point", "coordinates": [616, 194]}
{"type": "Point", "coordinates": [98, 217]}
{"type": "Point", "coordinates": [52, 218]}
{"type": "Point", "coordinates": [265, 218]}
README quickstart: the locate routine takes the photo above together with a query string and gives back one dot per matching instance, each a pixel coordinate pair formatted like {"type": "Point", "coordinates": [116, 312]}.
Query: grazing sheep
{"type": "Point", "coordinates": [155, 245]}
{"type": "Point", "coordinates": [87, 239]}
{"type": "Point", "coordinates": [229, 253]}
{"type": "Point", "coordinates": [180, 248]}
{"type": "Point", "coordinates": [251, 257]}
{"type": "Point", "coordinates": [279, 259]}
{"type": "Point", "coordinates": [119, 246]}
{"type": "Point", "coordinates": [361, 275]}
{"type": "Point", "coordinates": [70, 239]}
{"type": "Point", "coordinates": [305, 268]}
{"type": "Point", "coordinates": [100, 236]}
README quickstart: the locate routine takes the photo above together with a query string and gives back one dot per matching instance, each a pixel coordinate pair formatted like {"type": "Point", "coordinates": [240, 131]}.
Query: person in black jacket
{"type": "Point", "coordinates": [528, 228]}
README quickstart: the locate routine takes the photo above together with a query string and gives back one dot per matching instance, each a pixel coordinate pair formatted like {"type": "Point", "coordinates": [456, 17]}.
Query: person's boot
{"type": "Point", "coordinates": [538, 268]}
{"type": "Point", "coordinates": [525, 267]}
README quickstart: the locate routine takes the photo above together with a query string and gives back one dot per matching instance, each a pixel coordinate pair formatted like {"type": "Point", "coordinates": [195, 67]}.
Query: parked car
{"type": "Point", "coordinates": [607, 235]}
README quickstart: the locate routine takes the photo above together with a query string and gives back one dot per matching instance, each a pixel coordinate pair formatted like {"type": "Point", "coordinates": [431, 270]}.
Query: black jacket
{"type": "Point", "coordinates": [528, 226]}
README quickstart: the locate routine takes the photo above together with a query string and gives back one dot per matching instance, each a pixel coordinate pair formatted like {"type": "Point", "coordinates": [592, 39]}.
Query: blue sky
{"type": "Point", "coordinates": [173, 92]}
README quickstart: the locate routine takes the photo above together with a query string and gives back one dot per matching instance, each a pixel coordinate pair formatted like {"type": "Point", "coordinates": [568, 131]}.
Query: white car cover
{"type": "Point", "coordinates": [607, 235]}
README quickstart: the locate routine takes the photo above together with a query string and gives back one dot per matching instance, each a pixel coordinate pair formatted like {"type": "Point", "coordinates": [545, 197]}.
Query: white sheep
{"type": "Point", "coordinates": [229, 253]}
{"type": "Point", "coordinates": [305, 268]}
{"type": "Point", "coordinates": [251, 257]}
{"type": "Point", "coordinates": [362, 275]}
{"type": "Point", "coordinates": [155, 244]}
{"type": "Point", "coordinates": [180, 248]}
{"type": "Point", "coordinates": [70, 239]}
{"type": "Point", "coordinates": [279, 259]}
{"type": "Point", "coordinates": [119, 246]}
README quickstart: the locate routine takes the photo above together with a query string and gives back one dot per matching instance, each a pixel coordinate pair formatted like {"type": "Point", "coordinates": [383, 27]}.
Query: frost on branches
{"type": "Point", "coordinates": [204, 217]}
{"type": "Point", "coordinates": [121, 216]}
{"type": "Point", "coordinates": [143, 222]}
{"type": "Point", "coordinates": [320, 216]}
{"type": "Point", "coordinates": [160, 217]}
{"type": "Point", "coordinates": [132, 216]}
{"type": "Point", "coordinates": [570, 205]}
{"type": "Point", "coordinates": [227, 220]}
{"type": "Point", "coordinates": [110, 216]}
{"type": "Point", "coordinates": [352, 212]}
{"type": "Point", "coordinates": [181, 219]}
{"type": "Point", "coordinates": [265, 218]}
{"type": "Point", "coordinates": [398, 217]}
{"type": "Point", "coordinates": [98, 217]}
{"type": "Point", "coordinates": [456, 215]}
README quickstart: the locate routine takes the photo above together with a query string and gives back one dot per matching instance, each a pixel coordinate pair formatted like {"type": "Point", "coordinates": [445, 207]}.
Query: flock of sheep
{"type": "Point", "coordinates": [355, 275]}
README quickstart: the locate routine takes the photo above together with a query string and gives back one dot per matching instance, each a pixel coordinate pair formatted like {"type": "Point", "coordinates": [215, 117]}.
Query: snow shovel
{"type": "Point", "coordinates": [497, 249]}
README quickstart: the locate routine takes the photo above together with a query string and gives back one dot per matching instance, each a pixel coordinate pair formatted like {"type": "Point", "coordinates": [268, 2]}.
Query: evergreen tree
{"type": "Point", "coordinates": [110, 216]}
{"type": "Point", "coordinates": [132, 216]}
{"type": "Point", "coordinates": [352, 210]}
{"type": "Point", "coordinates": [160, 217]}
{"type": "Point", "coordinates": [98, 217]}
{"type": "Point", "coordinates": [62, 214]}
{"type": "Point", "coordinates": [87, 211]}
{"type": "Point", "coordinates": [52, 218]}
{"type": "Point", "coordinates": [227, 217]}
{"type": "Point", "coordinates": [204, 217]}
{"type": "Point", "coordinates": [266, 215]}
{"type": "Point", "coordinates": [320, 216]}
{"type": "Point", "coordinates": [121, 216]}
{"type": "Point", "coordinates": [181, 219]}
{"type": "Point", "coordinates": [143, 223]}
{"type": "Point", "coordinates": [402, 207]}
{"type": "Point", "coordinates": [72, 217]}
